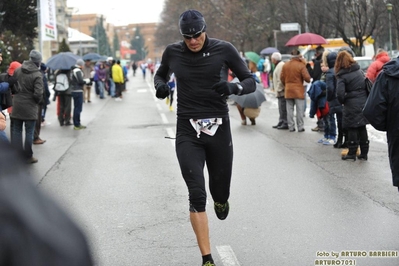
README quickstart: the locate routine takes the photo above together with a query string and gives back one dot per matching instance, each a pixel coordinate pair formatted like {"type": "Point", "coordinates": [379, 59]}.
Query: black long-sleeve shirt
{"type": "Point", "coordinates": [197, 72]}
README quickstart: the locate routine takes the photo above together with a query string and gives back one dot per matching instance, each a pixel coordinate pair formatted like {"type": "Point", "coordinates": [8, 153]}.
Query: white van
{"type": "Point", "coordinates": [334, 45]}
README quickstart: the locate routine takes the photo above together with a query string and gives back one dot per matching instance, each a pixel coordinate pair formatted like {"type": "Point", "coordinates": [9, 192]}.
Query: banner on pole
{"type": "Point", "coordinates": [48, 20]}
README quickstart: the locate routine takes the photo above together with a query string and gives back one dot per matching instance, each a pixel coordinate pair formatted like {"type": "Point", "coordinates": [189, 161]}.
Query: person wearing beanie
{"type": "Point", "coordinates": [35, 57]}
{"type": "Point", "coordinates": [347, 49]}
{"type": "Point", "coordinates": [200, 65]}
{"type": "Point", "coordinates": [76, 85]}
{"type": "Point", "coordinates": [8, 86]}
{"type": "Point", "coordinates": [26, 103]}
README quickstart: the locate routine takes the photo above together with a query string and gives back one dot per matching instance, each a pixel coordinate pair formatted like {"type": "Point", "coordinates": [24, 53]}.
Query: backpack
{"type": "Point", "coordinates": [61, 82]}
{"type": "Point", "coordinates": [260, 65]}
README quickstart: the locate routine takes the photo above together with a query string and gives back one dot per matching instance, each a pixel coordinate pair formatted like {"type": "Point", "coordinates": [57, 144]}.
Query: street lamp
{"type": "Point", "coordinates": [306, 16]}
{"type": "Point", "coordinates": [80, 37]}
{"type": "Point", "coordinates": [389, 8]}
{"type": "Point", "coordinates": [275, 38]}
{"type": "Point", "coordinates": [97, 35]}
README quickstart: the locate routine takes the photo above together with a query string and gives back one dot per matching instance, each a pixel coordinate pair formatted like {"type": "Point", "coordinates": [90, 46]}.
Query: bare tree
{"type": "Point", "coordinates": [249, 24]}
{"type": "Point", "coordinates": [356, 19]}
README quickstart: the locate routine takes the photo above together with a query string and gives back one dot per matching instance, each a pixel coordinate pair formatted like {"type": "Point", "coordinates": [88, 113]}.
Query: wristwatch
{"type": "Point", "coordinates": [240, 88]}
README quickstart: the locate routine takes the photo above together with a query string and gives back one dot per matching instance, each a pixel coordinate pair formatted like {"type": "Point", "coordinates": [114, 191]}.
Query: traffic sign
{"type": "Point", "coordinates": [290, 27]}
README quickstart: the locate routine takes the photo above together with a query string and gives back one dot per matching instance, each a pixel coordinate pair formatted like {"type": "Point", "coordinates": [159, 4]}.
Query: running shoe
{"type": "Point", "coordinates": [222, 210]}
{"type": "Point", "coordinates": [322, 140]}
{"type": "Point", "coordinates": [79, 127]}
{"type": "Point", "coordinates": [329, 142]}
{"type": "Point", "coordinates": [208, 263]}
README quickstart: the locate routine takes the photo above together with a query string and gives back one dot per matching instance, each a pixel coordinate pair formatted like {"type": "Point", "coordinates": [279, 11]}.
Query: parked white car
{"type": "Point", "coordinates": [364, 62]}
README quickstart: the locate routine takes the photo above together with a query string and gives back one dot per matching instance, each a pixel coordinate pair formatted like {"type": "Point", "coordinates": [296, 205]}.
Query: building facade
{"type": "Point", "coordinates": [85, 23]}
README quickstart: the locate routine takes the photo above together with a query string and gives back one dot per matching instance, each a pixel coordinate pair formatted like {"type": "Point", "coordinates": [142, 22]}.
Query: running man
{"type": "Point", "coordinates": [201, 65]}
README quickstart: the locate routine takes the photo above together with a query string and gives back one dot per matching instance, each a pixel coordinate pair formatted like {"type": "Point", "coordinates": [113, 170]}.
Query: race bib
{"type": "Point", "coordinates": [208, 125]}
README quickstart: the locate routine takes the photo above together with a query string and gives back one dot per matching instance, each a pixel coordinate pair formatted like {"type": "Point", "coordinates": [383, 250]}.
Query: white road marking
{"type": "Point", "coordinates": [164, 118]}
{"type": "Point", "coordinates": [227, 256]}
{"type": "Point", "coordinates": [142, 90]}
{"type": "Point", "coordinates": [171, 135]}
{"type": "Point", "coordinates": [159, 107]}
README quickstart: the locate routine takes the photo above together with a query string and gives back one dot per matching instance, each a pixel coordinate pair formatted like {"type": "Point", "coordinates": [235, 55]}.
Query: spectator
{"type": "Point", "coordinates": [382, 111]}
{"type": "Point", "coordinates": [8, 86]}
{"type": "Point", "coordinates": [77, 83]}
{"type": "Point", "coordinates": [101, 74]}
{"type": "Point", "coordinates": [64, 101]}
{"type": "Point", "coordinates": [293, 75]}
{"type": "Point", "coordinates": [32, 224]}
{"type": "Point", "coordinates": [315, 74]}
{"type": "Point", "coordinates": [87, 69]}
{"type": "Point", "coordinates": [117, 76]}
{"type": "Point", "coordinates": [351, 92]}
{"type": "Point", "coordinates": [334, 104]}
{"type": "Point", "coordinates": [375, 68]}
{"type": "Point", "coordinates": [42, 106]}
{"type": "Point", "coordinates": [279, 90]}
{"type": "Point", "coordinates": [26, 103]}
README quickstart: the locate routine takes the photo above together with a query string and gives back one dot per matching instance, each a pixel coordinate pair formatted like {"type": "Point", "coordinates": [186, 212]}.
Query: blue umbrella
{"type": "Point", "coordinates": [92, 57]}
{"type": "Point", "coordinates": [63, 60]}
{"type": "Point", "coordinates": [269, 50]}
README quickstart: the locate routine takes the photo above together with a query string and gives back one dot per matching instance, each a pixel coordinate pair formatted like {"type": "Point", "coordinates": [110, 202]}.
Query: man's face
{"type": "Point", "coordinates": [195, 44]}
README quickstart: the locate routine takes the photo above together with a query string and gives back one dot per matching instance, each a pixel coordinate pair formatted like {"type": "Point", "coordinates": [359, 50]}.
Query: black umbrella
{"type": "Point", "coordinates": [63, 60]}
{"type": "Point", "coordinates": [92, 57]}
{"type": "Point", "coordinates": [251, 100]}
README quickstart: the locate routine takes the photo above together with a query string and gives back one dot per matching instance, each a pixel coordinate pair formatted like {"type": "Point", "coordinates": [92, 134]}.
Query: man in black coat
{"type": "Point", "coordinates": [382, 111]}
{"type": "Point", "coordinates": [26, 103]}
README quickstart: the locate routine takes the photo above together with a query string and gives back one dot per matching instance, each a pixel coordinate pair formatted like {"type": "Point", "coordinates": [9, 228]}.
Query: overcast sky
{"type": "Point", "coordinates": [121, 12]}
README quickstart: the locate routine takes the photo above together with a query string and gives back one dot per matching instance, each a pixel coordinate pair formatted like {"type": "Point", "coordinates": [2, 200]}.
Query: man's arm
{"type": "Point", "coordinates": [240, 69]}
{"type": "Point", "coordinates": [305, 75]}
{"type": "Point", "coordinates": [38, 87]}
{"type": "Point", "coordinates": [4, 87]}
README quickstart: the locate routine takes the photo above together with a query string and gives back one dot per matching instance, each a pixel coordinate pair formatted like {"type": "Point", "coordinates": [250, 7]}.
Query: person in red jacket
{"type": "Point", "coordinates": [374, 69]}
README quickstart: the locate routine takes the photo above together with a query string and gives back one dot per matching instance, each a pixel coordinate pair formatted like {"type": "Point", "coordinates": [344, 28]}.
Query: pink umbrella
{"type": "Point", "coordinates": [306, 39]}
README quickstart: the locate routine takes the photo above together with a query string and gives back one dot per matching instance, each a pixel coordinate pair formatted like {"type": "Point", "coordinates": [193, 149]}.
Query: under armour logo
{"type": "Point", "coordinates": [206, 54]}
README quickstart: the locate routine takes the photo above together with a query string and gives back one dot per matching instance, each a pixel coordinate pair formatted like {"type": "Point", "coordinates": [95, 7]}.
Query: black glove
{"type": "Point", "coordinates": [226, 88]}
{"type": "Point", "coordinates": [12, 81]}
{"type": "Point", "coordinates": [163, 91]}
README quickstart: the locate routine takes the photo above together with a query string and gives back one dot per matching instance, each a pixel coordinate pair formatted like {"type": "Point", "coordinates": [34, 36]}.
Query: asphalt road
{"type": "Point", "coordinates": [293, 201]}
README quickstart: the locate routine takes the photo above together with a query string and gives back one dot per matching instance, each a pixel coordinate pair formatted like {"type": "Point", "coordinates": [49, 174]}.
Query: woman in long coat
{"type": "Point", "coordinates": [351, 92]}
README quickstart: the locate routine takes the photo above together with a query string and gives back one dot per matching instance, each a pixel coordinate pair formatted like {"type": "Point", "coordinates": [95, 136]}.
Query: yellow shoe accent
{"type": "Point", "coordinates": [171, 108]}
{"type": "Point", "coordinates": [345, 151]}
{"type": "Point", "coordinates": [167, 101]}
